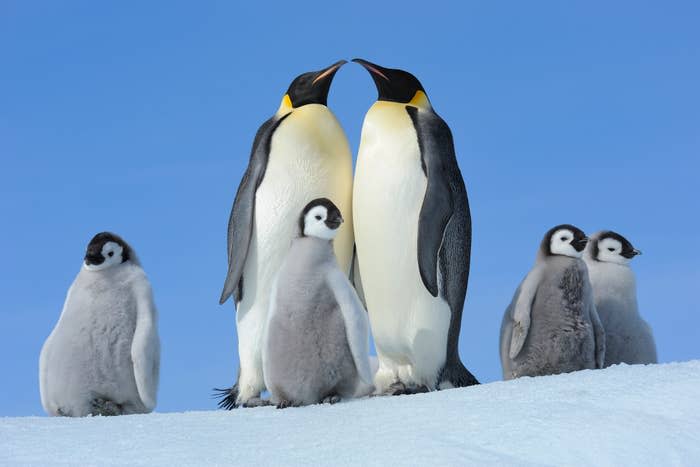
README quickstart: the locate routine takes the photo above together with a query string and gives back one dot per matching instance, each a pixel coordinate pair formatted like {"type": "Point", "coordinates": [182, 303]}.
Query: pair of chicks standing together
{"type": "Point", "coordinates": [304, 337]}
{"type": "Point", "coordinates": [576, 309]}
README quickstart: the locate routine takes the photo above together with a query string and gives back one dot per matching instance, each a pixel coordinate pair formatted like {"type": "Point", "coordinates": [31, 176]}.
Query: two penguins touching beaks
{"type": "Point", "coordinates": [317, 257]}
{"type": "Point", "coordinates": [302, 328]}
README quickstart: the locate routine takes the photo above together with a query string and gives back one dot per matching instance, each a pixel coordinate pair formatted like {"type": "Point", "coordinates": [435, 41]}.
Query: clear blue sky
{"type": "Point", "coordinates": [138, 118]}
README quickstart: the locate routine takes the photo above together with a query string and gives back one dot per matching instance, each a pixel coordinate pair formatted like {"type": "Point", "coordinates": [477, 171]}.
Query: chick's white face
{"type": "Point", "coordinates": [111, 255]}
{"type": "Point", "coordinates": [315, 224]}
{"type": "Point", "coordinates": [610, 251]}
{"type": "Point", "coordinates": [561, 244]}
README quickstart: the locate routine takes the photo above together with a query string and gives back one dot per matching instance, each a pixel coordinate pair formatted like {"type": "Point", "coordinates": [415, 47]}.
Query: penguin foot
{"type": "Point", "coordinates": [399, 389]}
{"type": "Point", "coordinates": [104, 407]}
{"type": "Point", "coordinates": [334, 399]}
{"type": "Point", "coordinates": [255, 402]}
{"type": "Point", "coordinates": [284, 404]}
{"type": "Point", "coordinates": [228, 397]}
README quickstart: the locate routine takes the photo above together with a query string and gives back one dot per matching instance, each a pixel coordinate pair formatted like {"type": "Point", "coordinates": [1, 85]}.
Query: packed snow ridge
{"type": "Point", "coordinates": [623, 415]}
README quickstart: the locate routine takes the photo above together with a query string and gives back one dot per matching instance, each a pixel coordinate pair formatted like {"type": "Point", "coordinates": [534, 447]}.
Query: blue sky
{"type": "Point", "coordinates": [138, 118]}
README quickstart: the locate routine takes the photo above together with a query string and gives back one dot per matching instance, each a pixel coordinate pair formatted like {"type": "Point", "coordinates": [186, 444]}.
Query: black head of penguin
{"type": "Point", "coordinates": [93, 255]}
{"type": "Point", "coordinates": [313, 87]}
{"type": "Point", "coordinates": [393, 85]}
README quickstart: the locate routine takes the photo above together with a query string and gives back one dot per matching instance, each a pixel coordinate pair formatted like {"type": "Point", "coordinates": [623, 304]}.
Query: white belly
{"type": "Point", "coordinates": [409, 325]}
{"type": "Point", "coordinates": [309, 158]}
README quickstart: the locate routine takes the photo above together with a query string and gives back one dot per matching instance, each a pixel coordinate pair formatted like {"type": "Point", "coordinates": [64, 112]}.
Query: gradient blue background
{"type": "Point", "coordinates": [138, 118]}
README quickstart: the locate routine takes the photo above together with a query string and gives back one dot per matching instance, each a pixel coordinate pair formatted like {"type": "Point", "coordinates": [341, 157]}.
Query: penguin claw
{"type": "Point", "coordinates": [284, 404]}
{"type": "Point", "coordinates": [105, 407]}
{"type": "Point", "coordinates": [255, 402]}
{"type": "Point", "coordinates": [331, 399]}
{"type": "Point", "coordinates": [400, 389]}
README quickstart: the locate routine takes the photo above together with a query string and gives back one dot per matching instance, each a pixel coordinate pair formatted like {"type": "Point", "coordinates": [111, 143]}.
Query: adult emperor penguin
{"type": "Point", "coordinates": [103, 356]}
{"type": "Point", "coordinates": [628, 338]}
{"type": "Point", "coordinates": [300, 153]}
{"type": "Point", "coordinates": [413, 236]}
{"type": "Point", "coordinates": [551, 325]}
{"type": "Point", "coordinates": [316, 345]}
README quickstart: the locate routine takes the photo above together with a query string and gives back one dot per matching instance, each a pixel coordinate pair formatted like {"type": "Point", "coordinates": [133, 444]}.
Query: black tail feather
{"type": "Point", "coordinates": [227, 396]}
{"type": "Point", "coordinates": [457, 375]}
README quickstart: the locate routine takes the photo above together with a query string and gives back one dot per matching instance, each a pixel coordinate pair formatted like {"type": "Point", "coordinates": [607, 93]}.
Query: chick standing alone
{"type": "Point", "coordinates": [551, 326]}
{"type": "Point", "coordinates": [628, 338]}
{"type": "Point", "coordinates": [103, 356]}
{"type": "Point", "coordinates": [316, 346]}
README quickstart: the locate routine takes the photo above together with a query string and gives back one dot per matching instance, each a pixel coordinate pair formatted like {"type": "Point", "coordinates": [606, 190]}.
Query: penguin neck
{"type": "Point", "coordinates": [614, 281]}
{"type": "Point", "coordinates": [311, 250]}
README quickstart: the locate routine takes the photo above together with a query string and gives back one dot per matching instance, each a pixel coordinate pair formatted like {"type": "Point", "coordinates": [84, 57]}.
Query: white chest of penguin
{"type": "Point", "coordinates": [309, 158]}
{"type": "Point", "coordinates": [388, 194]}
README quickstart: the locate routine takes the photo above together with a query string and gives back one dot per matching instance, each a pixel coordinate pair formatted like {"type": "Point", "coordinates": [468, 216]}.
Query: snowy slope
{"type": "Point", "coordinates": [625, 415]}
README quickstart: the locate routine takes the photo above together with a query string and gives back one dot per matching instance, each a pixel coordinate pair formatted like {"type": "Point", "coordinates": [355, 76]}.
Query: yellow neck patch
{"type": "Point", "coordinates": [285, 105]}
{"type": "Point", "coordinates": [420, 100]}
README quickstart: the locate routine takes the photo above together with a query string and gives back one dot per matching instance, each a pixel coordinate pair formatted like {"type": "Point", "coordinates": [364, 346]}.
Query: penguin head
{"type": "Point", "coordinates": [565, 240]}
{"type": "Point", "coordinates": [611, 247]}
{"type": "Point", "coordinates": [320, 218]}
{"type": "Point", "coordinates": [105, 250]}
{"type": "Point", "coordinates": [395, 85]}
{"type": "Point", "coordinates": [309, 88]}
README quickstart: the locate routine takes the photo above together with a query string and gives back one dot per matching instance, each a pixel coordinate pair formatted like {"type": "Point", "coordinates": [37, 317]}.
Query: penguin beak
{"type": "Point", "coordinates": [374, 69]}
{"type": "Point", "coordinates": [92, 258]}
{"type": "Point", "coordinates": [334, 223]}
{"type": "Point", "coordinates": [328, 73]}
{"type": "Point", "coordinates": [629, 254]}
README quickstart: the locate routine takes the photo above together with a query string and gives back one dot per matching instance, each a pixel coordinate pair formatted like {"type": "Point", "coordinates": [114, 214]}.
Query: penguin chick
{"type": "Point", "coordinates": [628, 338]}
{"type": "Point", "coordinates": [551, 326]}
{"type": "Point", "coordinates": [103, 356]}
{"type": "Point", "coordinates": [316, 345]}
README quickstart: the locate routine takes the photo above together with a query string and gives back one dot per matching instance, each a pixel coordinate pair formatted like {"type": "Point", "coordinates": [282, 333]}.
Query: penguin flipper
{"type": "Point", "coordinates": [242, 218]}
{"type": "Point", "coordinates": [521, 309]}
{"type": "Point", "coordinates": [145, 347]}
{"type": "Point", "coordinates": [599, 334]}
{"type": "Point", "coordinates": [437, 159]}
{"type": "Point", "coordinates": [356, 278]}
{"type": "Point", "coordinates": [356, 322]}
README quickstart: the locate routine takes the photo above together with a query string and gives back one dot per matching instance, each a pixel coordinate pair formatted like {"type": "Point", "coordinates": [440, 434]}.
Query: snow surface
{"type": "Point", "coordinates": [623, 415]}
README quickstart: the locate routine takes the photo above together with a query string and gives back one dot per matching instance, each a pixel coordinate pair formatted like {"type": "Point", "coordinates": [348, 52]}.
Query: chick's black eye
{"type": "Point", "coordinates": [318, 218]}
{"type": "Point", "coordinates": [611, 249]}
{"type": "Point", "coordinates": [563, 239]}
{"type": "Point", "coordinates": [111, 253]}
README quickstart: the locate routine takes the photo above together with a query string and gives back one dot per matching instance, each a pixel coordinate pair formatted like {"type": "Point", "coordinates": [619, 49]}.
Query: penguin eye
{"type": "Point", "coordinates": [318, 218]}
{"type": "Point", "coordinates": [111, 253]}
{"type": "Point", "coordinates": [611, 249]}
{"type": "Point", "coordinates": [563, 239]}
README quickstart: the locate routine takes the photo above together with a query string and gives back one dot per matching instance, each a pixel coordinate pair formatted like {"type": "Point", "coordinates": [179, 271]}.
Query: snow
{"type": "Point", "coordinates": [631, 415]}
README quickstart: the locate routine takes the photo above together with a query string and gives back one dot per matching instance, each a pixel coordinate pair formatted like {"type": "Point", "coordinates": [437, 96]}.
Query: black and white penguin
{"type": "Point", "coordinates": [300, 153]}
{"type": "Point", "coordinates": [413, 236]}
